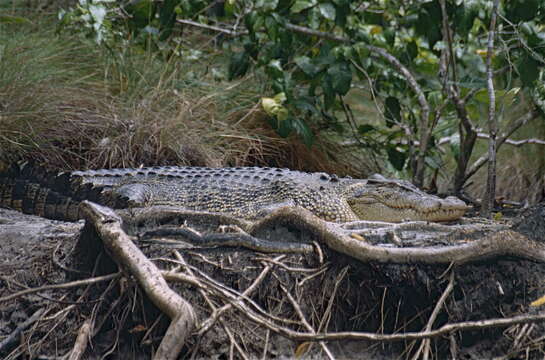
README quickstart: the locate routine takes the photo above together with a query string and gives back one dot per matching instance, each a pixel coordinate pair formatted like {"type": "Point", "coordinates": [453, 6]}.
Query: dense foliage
{"type": "Point", "coordinates": [424, 64]}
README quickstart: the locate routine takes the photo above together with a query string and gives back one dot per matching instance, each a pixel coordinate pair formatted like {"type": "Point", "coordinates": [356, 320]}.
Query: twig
{"type": "Point", "coordinates": [425, 345]}
{"type": "Point", "coordinates": [327, 313]}
{"type": "Point", "coordinates": [82, 340]}
{"type": "Point", "coordinates": [207, 324]}
{"type": "Point", "coordinates": [267, 335]}
{"type": "Point", "coordinates": [305, 322]}
{"type": "Point", "coordinates": [14, 336]}
{"type": "Point", "coordinates": [483, 135]}
{"type": "Point", "coordinates": [128, 256]}
{"type": "Point", "coordinates": [516, 143]}
{"type": "Point", "coordinates": [501, 140]}
{"type": "Point", "coordinates": [228, 331]}
{"type": "Point", "coordinates": [67, 285]}
{"type": "Point", "coordinates": [212, 27]}
{"type": "Point", "coordinates": [453, 347]}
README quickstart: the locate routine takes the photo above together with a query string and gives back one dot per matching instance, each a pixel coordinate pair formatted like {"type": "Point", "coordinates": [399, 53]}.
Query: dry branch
{"type": "Point", "coordinates": [67, 285]}
{"type": "Point", "coordinates": [82, 340]}
{"type": "Point", "coordinates": [425, 345]}
{"type": "Point", "coordinates": [131, 259]}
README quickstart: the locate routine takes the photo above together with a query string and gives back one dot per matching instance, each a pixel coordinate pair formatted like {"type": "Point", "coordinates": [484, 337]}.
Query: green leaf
{"type": "Point", "coordinates": [392, 111]}
{"type": "Point", "coordinates": [301, 5]}
{"type": "Point", "coordinates": [306, 65]}
{"type": "Point", "coordinates": [250, 20]}
{"type": "Point", "coordinates": [167, 17]}
{"type": "Point", "coordinates": [329, 93]}
{"type": "Point", "coordinates": [342, 13]}
{"type": "Point", "coordinates": [468, 13]}
{"type": "Point", "coordinates": [306, 105]}
{"type": "Point", "coordinates": [528, 69]}
{"type": "Point", "coordinates": [341, 78]}
{"type": "Point", "coordinates": [98, 12]}
{"type": "Point", "coordinates": [284, 128]}
{"type": "Point", "coordinates": [304, 131]}
{"type": "Point", "coordinates": [328, 11]}
{"type": "Point", "coordinates": [362, 50]}
{"type": "Point", "coordinates": [396, 158]}
{"type": "Point", "coordinates": [266, 5]}
{"type": "Point", "coordinates": [238, 65]}
{"type": "Point", "coordinates": [8, 19]}
{"type": "Point", "coordinates": [365, 128]}
{"type": "Point", "coordinates": [274, 69]}
{"type": "Point", "coordinates": [455, 145]}
{"type": "Point", "coordinates": [272, 27]}
{"type": "Point", "coordinates": [429, 22]}
{"type": "Point", "coordinates": [412, 49]}
{"type": "Point", "coordinates": [521, 10]}
{"type": "Point", "coordinates": [142, 12]}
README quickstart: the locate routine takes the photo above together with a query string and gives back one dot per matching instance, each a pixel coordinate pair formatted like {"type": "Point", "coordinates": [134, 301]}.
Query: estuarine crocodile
{"type": "Point", "coordinates": [245, 192]}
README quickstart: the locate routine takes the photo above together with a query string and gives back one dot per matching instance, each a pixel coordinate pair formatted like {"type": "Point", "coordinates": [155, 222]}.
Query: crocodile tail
{"type": "Point", "coordinates": [32, 198]}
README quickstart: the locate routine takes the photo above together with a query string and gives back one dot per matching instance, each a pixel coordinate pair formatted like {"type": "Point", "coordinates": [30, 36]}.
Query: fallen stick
{"type": "Point", "coordinates": [82, 340]}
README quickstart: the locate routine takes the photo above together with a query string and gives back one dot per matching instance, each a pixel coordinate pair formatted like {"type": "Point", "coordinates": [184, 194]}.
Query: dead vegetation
{"type": "Point", "coordinates": [71, 105]}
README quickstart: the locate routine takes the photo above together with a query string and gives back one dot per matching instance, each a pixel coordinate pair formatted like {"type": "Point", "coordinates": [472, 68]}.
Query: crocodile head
{"type": "Point", "coordinates": [381, 199]}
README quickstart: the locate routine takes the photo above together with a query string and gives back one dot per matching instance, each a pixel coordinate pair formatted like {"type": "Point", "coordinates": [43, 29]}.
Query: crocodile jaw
{"type": "Point", "coordinates": [390, 203]}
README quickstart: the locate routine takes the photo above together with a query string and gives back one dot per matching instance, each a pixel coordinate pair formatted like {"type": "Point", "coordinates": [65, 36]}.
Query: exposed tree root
{"type": "Point", "coordinates": [259, 318]}
{"type": "Point", "coordinates": [132, 260]}
{"type": "Point", "coordinates": [338, 237]}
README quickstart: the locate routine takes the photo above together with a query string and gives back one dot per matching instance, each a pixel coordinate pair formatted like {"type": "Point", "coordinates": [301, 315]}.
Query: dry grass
{"type": "Point", "coordinates": [68, 104]}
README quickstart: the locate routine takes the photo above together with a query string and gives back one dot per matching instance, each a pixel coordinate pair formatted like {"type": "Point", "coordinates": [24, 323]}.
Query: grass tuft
{"type": "Point", "coordinates": [69, 104]}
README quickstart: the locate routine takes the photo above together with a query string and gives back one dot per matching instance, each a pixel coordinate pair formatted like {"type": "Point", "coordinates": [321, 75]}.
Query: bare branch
{"type": "Point", "coordinates": [212, 28]}
{"type": "Point", "coordinates": [425, 345]}
{"type": "Point", "coordinates": [501, 140]}
{"type": "Point", "coordinates": [517, 143]}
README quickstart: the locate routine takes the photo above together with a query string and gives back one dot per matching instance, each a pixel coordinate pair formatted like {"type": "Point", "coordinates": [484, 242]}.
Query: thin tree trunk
{"type": "Point", "coordinates": [488, 201]}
